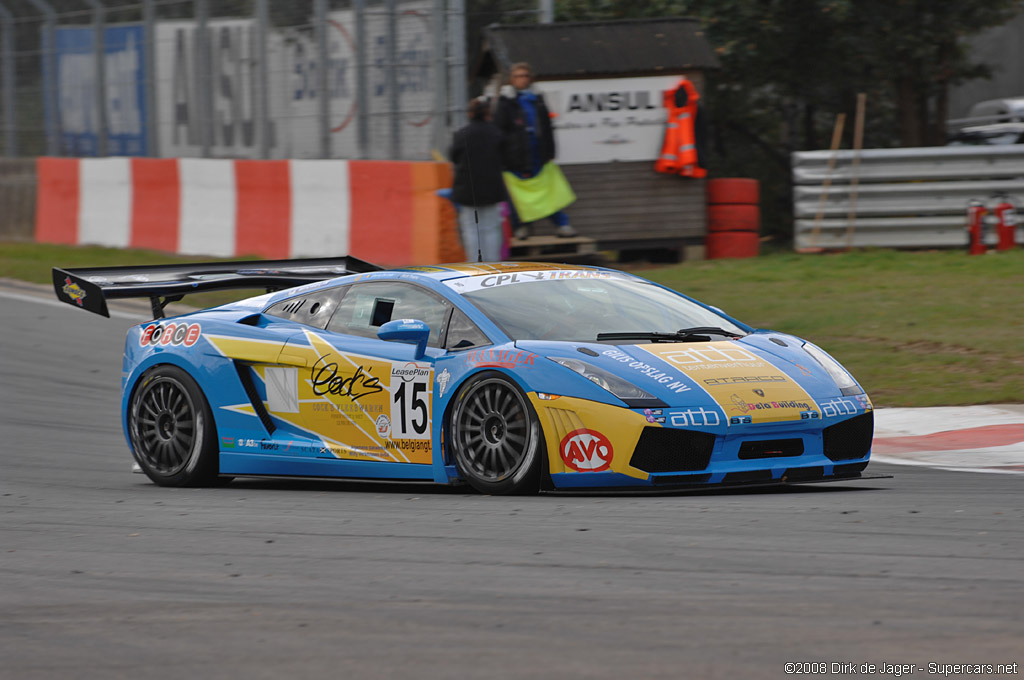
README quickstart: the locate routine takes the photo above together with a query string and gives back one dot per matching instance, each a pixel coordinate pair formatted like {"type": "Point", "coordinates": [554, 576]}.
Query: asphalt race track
{"type": "Point", "coordinates": [104, 575]}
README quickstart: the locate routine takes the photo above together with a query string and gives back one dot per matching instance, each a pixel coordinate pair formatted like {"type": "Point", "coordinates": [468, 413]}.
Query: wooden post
{"type": "Point", "coordinates": [837, 135]}
{"type": "Point", "coordinates": [858, 141]}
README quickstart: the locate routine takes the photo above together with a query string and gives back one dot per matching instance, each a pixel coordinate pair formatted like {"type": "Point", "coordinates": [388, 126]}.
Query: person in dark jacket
{"type": "Point", "coordinates": [477, 151]}
{"type": "Point", "coordinates": [522, 116]}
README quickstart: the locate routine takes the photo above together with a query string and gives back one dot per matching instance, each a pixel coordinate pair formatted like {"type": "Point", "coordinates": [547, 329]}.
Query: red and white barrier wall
{"type": "Point", "coordinates": [385, 212]}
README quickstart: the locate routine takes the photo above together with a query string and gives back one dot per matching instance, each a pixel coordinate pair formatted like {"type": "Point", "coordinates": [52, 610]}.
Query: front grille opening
{"type": "Point", "coordinates": [681, 480]}
{"type": "Point", "coordinates": [748, 477]}
{"type": "Point", "coordinates": [771, 448]}
{"type": "Point", "coordinates": [663, 449]}
{"type": "Point", "coordinates": [849, 469]}
{"type": "Point", "coordinates": [804, 474]}
{"type": "Point", "coordinates": [850, 438]}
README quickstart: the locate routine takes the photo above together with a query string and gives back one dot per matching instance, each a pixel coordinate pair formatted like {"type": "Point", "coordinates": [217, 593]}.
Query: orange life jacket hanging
{"type": "Point", "coordinates": [679, 150]}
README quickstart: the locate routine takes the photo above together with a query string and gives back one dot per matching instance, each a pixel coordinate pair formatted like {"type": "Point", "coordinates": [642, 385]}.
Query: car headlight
{"type": "Point", "coordinates": [843, 380]}
{"type": "Point", "coordinates": [620, 388]}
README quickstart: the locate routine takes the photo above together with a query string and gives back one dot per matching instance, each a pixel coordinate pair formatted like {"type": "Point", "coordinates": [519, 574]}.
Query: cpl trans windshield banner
{"type": "Point", "coordinates": [125, 100]}
{"type": "Point", "coordinates": [609, 119]}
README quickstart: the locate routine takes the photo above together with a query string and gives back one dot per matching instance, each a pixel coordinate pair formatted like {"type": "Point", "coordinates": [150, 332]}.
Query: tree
{"type": "Point", "coordinates": [811, 57]}
{"type": "Point", "coordinates": [919, 49]}
{"type": "Point", "coordinates": [790, 66]}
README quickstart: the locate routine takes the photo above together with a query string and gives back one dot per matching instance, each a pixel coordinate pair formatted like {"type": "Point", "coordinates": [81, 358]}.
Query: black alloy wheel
{"type": "Point", "coordinates": [171, 429]}
{"type": "Point", "coordinates": [495, 437]}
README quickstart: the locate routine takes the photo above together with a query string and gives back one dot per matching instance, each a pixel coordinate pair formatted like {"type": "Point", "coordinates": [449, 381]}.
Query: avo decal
{"type": "Point", "coordinates": [586, 451]}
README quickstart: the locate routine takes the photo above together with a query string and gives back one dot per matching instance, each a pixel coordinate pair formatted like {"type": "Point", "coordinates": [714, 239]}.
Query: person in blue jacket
{"type": "Point", "coordinates": [523, 117]}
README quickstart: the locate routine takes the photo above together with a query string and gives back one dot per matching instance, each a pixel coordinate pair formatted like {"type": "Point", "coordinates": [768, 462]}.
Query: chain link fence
{"type": "Point", "coordinates": [357, 79]}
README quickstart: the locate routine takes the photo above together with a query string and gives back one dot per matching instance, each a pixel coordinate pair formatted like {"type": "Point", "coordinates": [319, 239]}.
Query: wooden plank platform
{"type": "Point", "coordinates": [554, 248]}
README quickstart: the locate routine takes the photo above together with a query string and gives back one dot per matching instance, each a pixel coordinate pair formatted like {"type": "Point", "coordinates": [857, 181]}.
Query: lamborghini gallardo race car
{"type": "Point", "coordinates": [509, 377]}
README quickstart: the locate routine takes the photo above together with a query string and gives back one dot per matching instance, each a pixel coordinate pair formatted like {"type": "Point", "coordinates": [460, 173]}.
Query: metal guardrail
{"type": "Point", "coordinates": [905, 198]}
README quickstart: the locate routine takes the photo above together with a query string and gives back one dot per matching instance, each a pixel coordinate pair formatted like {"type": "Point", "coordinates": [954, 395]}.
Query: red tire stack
{"type": "Point", "coordinates": [734, 218]}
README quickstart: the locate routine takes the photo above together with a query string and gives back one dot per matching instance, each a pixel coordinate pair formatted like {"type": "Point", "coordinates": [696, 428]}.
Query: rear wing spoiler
{"type": "Point", "coordinates": [91, 287]}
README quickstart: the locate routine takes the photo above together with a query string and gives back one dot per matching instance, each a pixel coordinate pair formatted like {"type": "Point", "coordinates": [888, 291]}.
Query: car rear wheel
{"type": "Point", "coordinates": [171, 428]}
{"type": "Point", "coordinates": [495, 437]}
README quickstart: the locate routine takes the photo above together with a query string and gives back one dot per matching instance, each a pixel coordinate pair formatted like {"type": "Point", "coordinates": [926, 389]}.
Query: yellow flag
{"type": "Point", "coordinates": [539, 196]}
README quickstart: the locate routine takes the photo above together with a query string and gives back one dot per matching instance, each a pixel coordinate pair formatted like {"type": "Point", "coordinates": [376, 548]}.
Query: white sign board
{"type": "Point", "coordinates": [232, 82]}
{"type": "Point", "coordinates": [610, 119]}
{"type": "Point", "coordinates": [297, 90]}
{"type": "Point", "coordinates": [301, 130]}
{"type": "Point", "coordinates": [292, 89]}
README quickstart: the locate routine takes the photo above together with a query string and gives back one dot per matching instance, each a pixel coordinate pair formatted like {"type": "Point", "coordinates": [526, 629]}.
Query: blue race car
{"type": "Point", "coordinates": [510, 377]}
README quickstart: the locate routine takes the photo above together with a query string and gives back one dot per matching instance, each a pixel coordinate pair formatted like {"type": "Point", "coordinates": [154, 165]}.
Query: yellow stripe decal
{"type": "Point", "coordinates": [746, 386]}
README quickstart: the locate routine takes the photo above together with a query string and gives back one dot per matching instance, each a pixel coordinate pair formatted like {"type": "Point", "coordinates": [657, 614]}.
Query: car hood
{"type": "Point", "coordinates": [760, 378]}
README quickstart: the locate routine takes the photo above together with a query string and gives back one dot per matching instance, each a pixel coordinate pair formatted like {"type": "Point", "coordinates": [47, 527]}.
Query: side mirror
{"type": "Point", "coordinates": [412, 331]}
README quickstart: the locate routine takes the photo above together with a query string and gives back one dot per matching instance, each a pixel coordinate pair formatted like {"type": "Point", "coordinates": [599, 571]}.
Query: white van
{"type": "Point", "coordinates": [995, 121]}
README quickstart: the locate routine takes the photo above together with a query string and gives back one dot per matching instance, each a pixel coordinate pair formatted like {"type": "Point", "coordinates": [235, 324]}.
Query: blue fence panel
{"type": "Point", "coordinates": [125, 96]}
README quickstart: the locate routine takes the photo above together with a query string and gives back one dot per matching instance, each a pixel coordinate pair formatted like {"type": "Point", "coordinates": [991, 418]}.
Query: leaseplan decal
{"type": "Point", "coordinates": [748, 388]}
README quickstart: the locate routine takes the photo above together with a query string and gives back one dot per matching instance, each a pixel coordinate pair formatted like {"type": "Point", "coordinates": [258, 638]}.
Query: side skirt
{"type": "Point", "coordinates": [233, 463]}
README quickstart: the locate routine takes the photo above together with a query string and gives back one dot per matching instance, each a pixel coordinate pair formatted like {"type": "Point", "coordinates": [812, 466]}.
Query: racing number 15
{"type": "Point", "coordinates": [417, 403]}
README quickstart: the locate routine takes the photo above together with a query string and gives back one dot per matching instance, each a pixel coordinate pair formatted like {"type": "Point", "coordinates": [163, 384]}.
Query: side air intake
{"type": "Point", "coordinates": [245, 376]}
{"type": "Point", "coordinates": [663, 449]}
{"type": "Point", "coordinates": [851, 438]}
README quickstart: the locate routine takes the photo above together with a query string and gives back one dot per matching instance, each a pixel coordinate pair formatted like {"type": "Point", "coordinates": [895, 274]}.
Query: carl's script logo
{"type": "Point", "coordinates": [324, 376]}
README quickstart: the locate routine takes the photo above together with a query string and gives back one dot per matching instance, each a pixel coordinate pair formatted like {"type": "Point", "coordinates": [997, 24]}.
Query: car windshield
{"type": "Point", "coordinates": [578, 309]}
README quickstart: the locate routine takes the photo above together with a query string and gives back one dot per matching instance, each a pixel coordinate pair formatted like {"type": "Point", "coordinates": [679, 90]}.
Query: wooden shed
{"type": "Point", "coordinates": [604, 80]}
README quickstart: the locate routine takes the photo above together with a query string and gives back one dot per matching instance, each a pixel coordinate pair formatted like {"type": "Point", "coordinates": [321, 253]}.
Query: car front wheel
{"type": "Point", "coordinates": [495, 437]}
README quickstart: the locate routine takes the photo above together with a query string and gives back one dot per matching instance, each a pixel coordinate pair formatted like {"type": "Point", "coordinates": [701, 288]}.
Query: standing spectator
{"type": "Point", "coordinates": [478, 188]}
{"type": "Point", "coordinates": [523, 117]}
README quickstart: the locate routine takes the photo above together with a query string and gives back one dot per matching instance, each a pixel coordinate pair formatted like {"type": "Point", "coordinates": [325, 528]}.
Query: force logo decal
{"type": "Point", "coordinates": [170, 334]}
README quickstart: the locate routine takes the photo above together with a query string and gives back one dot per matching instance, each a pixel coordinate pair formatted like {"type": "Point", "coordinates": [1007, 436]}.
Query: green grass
{"type": "Point", "coordinates": [915, 328]}
{"type": "Point", "coordinates": [33, 262]}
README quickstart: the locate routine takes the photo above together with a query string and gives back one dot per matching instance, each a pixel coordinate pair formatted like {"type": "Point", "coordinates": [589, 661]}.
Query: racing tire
{"type": "Point", "coordinates": [496, 438]}
{"type": "Point", "coordinates": [172, 432]}
{"type": "Point", "coordinates": [734, 218]}
{"type": "Point", "coordinates": [733, 190]}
